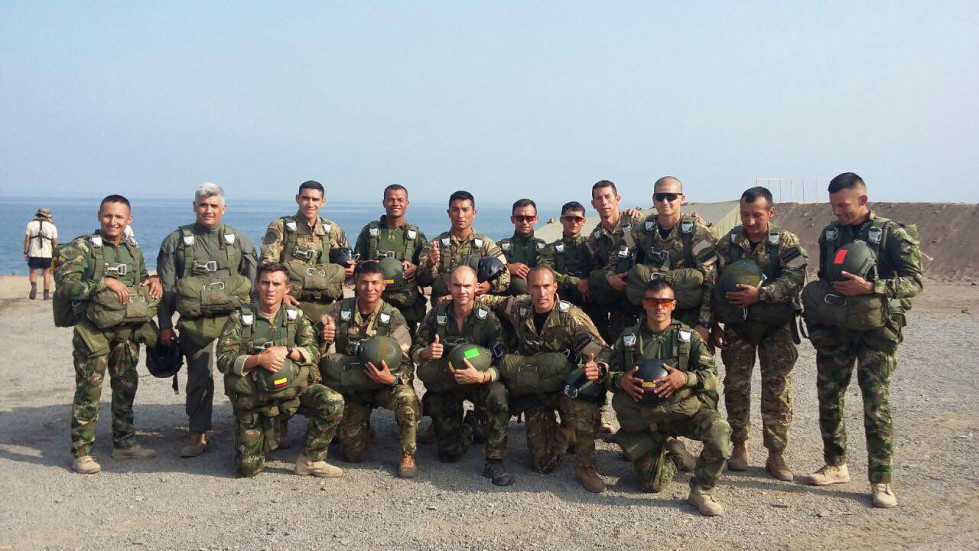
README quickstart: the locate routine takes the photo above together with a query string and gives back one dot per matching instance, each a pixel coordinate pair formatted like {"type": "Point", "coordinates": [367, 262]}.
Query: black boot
{"type": "Point", "coordinates": [496, 471]}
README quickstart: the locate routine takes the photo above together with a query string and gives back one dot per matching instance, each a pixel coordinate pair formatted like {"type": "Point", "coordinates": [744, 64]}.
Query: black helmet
{"type": "Point", "coordinates": [649, 371]}
{"type": "Point", "coordinates": [341, 256]}
{"type": "Point", "coordinates": [740, 272]}
{"type": "Point", "coordinates": [164, 361]}
{"type": "Point", "coordinates": [856, 258]}
{"type": "Point", "coordinates": [379, 349]}
{"type": "Point", "coordinates": [479, 357]}
{"type": "Point", "coordinates": [579, 387]}
{"type": "Point", "coordinates": [489, 268]}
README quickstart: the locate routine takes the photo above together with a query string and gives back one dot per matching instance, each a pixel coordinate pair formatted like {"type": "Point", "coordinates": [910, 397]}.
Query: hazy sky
{"type": "Point", "coordinates": [503, 99]}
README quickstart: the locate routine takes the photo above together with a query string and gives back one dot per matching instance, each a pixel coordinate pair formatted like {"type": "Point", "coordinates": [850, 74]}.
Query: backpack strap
{"type": "Point", "coordinates": [383, 324]}
{"type": "Point", "coordinates": [292, 316]}
{"type": "Point", "coordinates": [441, 319]}
{"type": "Point", "coordinates": [734, 251]}
{"type": "Point", "coordinates": [411, 233]}
{"type": "Point", "coordinates": [682, 350]}
{"type": "Point", "coordinates": [632, 346]}
{"type": "Point", "coordinates": [289, 237]}
{"type": "Point", "coordinates": [247, 322]}
{"type": "Point", "coordinates": [774, 268]}
{"type": "Point", "coordinates": [186, 244]}
{"type": "Point", "coordinates": [373, 232]}
{"type": "Point", "coordinates": [688, 226]}
{"type": "Point", "coordinates": [97, 270]}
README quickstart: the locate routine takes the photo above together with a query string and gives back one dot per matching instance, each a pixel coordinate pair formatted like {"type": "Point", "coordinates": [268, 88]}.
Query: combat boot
{"type": "Point", "coordinates": [85, 465]}
{"type": "Point", "coordinates": [319, 469]}
{"type": "Point", "coordinates": [47, 295]}
{"type": "Point", "coordinates": [133, 452]}
{"type": "Point", "coordinates": [882, 496]}
{"type": "Point", "coordinates": [478, 431]}
{"type": "Point", "coordinates": [830, 474]}
{"type": "Point", "coordinates": [704, 501]}
{"type": "Point", "coordinates": [284, 440]}
{"type": "Point", "coordinates": [407, 468]}
{"type": "Point", "coordinates": [739, 457]}
{"type": "Point", "coordinates": [496, 471]}
{"type": "Point", "coordinates": [33, 295]}
{"type": "Point", "coordinates": [684, 460]}
{"type": "Point", "coordinates": [586, 472]}
{"type": "Point", "coordinates": [559, 446]}
{"type": "Point", "coordinates": [196, 446]}
{"type": "Point", "coordinates": [775, 465]}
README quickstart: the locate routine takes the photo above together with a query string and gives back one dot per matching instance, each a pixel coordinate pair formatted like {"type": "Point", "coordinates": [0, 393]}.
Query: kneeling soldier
{"type": "Point", "coordinates": [363, 327]}
{"type": "Point", "coordinates": [680, 401]}
{"type": "Point", "coordinates": [441, 340]}
{"type": "Point", "coordinates": [267, 352]}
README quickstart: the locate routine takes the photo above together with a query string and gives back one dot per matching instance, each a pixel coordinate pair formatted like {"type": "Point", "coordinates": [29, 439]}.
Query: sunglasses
{"type": "Point", "coordinates": [524, 219]}
{"type": "Point", "coordinates": [653, 301]}
{"type": "Point", "coordinates": [572, 218]}
{"type": "Point", "coordinates": [668, 197]}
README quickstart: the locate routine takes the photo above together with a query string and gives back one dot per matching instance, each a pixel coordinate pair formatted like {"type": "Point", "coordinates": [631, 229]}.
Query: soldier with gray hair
{"type": "Point", "coordinates": [207, 269]}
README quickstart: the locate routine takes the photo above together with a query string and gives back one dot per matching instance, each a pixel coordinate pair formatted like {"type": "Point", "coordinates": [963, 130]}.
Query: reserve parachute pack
{"type": "Point", "coordinates": [437, 374]}
{"type": "Point", "coordinates": [440, 284]}
{"type": "Point", "coordinates": [106, 310]}
{"type": "Point", "coordinates": [343, 370]}
{"type": "Point", "coordinates": [578, 387]}
{"type": "Point", "coordinates": [397, 291]}
{"type": "Point", "coordinates": [676, 353]}
{"type": "Point", "coordinates": [624, 260]}
{"type": "Point", "coordinates": [741, 270]}
{"type": "Point", "coordinates": [541, 373]}
{"type": "Point", "coordinates": [312, 273]}
{"type": "Point", "coordinates": [257, 335]}
{"type": "Point", "coordinates": [211, 287]}
{"type": "Point", "coordinates": [653, 263]}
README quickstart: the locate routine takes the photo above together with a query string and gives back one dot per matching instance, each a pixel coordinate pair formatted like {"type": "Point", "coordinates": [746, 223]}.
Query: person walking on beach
{"type": "Point", "coordinates": [40, 242]}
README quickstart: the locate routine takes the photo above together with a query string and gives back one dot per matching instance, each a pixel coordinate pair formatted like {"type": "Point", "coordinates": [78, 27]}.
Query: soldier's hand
{"type": "Point", "coordinates": [483, 288]}
{"type": "Point", "coordinates": [349, 270]}
{"type": "Point", "coordinates": [329, 331]}
{"type": "Point", "coordinates": [381, 376]}
{"type": "Point", "coordinates": [617, 282]}
{"type": "Point", "coordinates": [290, 300]}
{"type": "Point", "coordinates": [631, 384]}
{"type": "Point", "coordinates": [518, 269]}
{"type": "Point", "coordinates": [583, 289]}
{"type": "Point", "coordinates": [703, 332]}
{"type": "Point", "coordinates": [271, 359]}
{"type": "Point", "coordinates": [433, 351]}
{"type": "Point", "coordinates": [854, 285]}
{"type": "Point", "coordinates": [591, 369]}
{"type": "Point", "coordinates": [674, 381]}
{"type": "Point", "coordinates": [119, 288]}
{"type": "Point", "coordinates": [156, 288]}
{"type": "Point", "coordinates": [630, 213]}
{"type": "Point", "coordinates": [434, 256]}
{"type": "Point", "coordinates": [409, 272]}
{"type": "Point", "coordinates": [167, 335]}
{"type": "Point", "coordinates": [444, 298]}
{"type": "Point", "coordinates": [468, 376]}
{"type": "Point", "coordinates": [743, 298]}
{"type": "Point", "coordinates": [718, 337]}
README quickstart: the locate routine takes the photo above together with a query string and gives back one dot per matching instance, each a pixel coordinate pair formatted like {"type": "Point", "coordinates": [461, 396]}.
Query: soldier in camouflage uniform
{"type": "Point", "coordinates": [899, 278]}
{"type": "Point", "coordinates": [95, 351]}
{"type": "Point", "coordinates": [690, 407]}
{"type": "Point", "coordinates": [570, 258]}
{"type": "Point", "coordinates": [273, 340]}
{"type": "Point", "coordinates": [670, 240]}
{"type": "Point", "coordinates": [522, 250]}
{"type": "Point", "coordinates": [393, 236]}
{"type": "Point", "coordinates": [783, 262]}
{"type": "Point", "coordinates": [205, 249]}
{"type": "Point", "coordinates": [553, 335]}
{"type": "Point", "coordinates": [449, 324]}
{"type": "Point", "coordinates": [460, 245]}
{"type": "Point", "coordinates": [356, 319]}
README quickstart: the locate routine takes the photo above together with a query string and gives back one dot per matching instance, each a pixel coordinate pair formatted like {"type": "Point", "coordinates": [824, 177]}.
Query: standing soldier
{"type": "Point", "coordinates": [763, 319]}
{"type": "Point", "coordinates": [351, 324]}
{"type": "Point", "coordinates": [268, 353]}
{"type": "Point", "coordinates": [868, 335]}
{"type": "Point", "coordinates": [207, 269]}
{"type": "Point", "coordinates": [680, 400]}
{"type": "Point", "coordinates": [523, 250]}
{"type": "Point", "coordinates": [105, 292]}
{"type": "Point", "coordinates": [460, 245]}
{"type": "Point", "coordinates": [673, 246]}
{"type": "Point", "coordinates": [393, 237]}
{"type": "Point", "coordinates": [447, 327]}
{"type": "Point", "coordinates": [553, 336]}
{"type": "Point", "coordinates": [570, 258]}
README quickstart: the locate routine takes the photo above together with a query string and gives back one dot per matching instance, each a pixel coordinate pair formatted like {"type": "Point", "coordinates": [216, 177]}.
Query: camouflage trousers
{"type": "Point", "coordinates": [90, 371]}
{"type": "Point", "coordinates": [834, 367]}
{"type": "Point", "coordinates": [580, 419]}
{"type": "Point", "coordinates": [657, 468]}
{"type": "Point", "coordinates": [355, 433]}
{"type": "Point", "coordinates": [453, 436]}
{"type": "Point", "coordinates": [256, 426]}
{"type": "Point", "coordinates": [777, 355]}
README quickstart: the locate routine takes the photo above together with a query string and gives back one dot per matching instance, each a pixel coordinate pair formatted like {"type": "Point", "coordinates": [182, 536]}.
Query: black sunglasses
{"type": "Point", "coordinates": [668, 197]}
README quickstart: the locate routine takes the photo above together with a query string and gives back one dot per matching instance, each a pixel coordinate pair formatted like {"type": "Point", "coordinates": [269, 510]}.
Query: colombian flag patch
{"type": "Point", "coordinates": [279, 383]}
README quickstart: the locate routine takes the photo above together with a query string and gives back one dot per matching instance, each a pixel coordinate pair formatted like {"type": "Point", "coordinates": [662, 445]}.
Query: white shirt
{"type": "Point", "coordinates": [39, 245]}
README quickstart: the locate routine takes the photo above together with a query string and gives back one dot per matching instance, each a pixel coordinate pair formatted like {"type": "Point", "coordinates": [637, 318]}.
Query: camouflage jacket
{"type": "Point", "coordinates": [785, 284]}
{"type": "Point", "coordinates": [353, 327]}
{"type": "Point", "coordinates": [604, 243]}
{"type": "Point", "coordinates": [567, 328]}
{"type": "Point", "coordinates": [453, 253]}
{"type": "Point", "coordinates": [481, 327]}
{"type": "Point", "coordinates": [570, 258]}
{"type": "Point", "coordinates": [230, 356]}
{"type": "Point", "coordinates": [307, 239]}
{"type": "Point", "coordinates": [75, 265]}
{"type": "Point", "coordinates": [700, 370]}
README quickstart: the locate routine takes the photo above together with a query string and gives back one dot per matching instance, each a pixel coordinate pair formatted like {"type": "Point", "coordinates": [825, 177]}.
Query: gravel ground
{"type": "Point", "coordinates": [169, 502]}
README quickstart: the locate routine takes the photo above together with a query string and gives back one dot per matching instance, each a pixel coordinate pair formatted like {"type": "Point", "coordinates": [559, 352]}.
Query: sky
{"type": "Point", "coordinates": [504, 99]}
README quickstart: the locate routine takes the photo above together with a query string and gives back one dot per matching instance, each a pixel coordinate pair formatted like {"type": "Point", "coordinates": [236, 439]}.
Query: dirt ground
{"type": "Point", "coordinates": [173, 503]}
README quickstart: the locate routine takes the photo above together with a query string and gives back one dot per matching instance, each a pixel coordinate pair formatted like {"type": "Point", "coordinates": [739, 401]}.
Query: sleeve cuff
{"type": "Point", "coordinates": [240, 365]}
{"type": "Point", "coordinates": [691, 379]}
{"type": "Point", "coordinates": [494, 374]}
{"type": "Point", "coordinates": [304, 352]}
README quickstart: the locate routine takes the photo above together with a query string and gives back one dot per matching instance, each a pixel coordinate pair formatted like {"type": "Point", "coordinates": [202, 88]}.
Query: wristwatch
{"type": "Point", "coordinates": [289, 350]}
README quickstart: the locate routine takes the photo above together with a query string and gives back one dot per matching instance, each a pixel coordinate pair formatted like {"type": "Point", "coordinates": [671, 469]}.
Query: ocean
{"type": "Point", "coordinates": [153, 219]}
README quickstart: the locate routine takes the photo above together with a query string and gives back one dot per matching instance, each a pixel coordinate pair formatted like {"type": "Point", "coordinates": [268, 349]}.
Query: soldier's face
{"type": "Point", "coordinates": [755, 217]}
{"type": "Point", "coordinates": [272, 288]}
{"type": "Point", "coordinates": [310, 202]}
{"type": "Point", "coordinates": [849, 205]}
{"type": "Point", "coordinates": [605, 201]}
{"type": "Point", "coordinates": [113, 219]}
{"type": "Point", "coordinates": [395, 203]}
{"type": "Point", "coordinates": [209, 210]}
{"type": "Point", "coordinates": [573, 221]}
{"type": "Point", "coordinates": [524, 219]}
{"type": "Point", "coordinates": [542, 290]}
{"type": "Point", "coordinates": [369, 287]}
{"type": "Point", "coordinates": [461, 214]}
{"type": "Point", "coordinates": [668, 197]}
{"type": "Point", "coordinates": [462, 287]}
{"type": "Point", "coordinates": [659, 306]}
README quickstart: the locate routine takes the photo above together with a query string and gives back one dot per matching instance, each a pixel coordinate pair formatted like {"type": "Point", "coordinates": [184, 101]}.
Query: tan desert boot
{"type": "Point", "coordinates": [407, 468]}
{"type": "Point", "coordinates": [319, 469]}
{"type": "Point", "coordinates": [704, 502]}
{"type": "Point", "coordinates": [196, 446]}
{"type": "Point", "coordinates": [830, 474]}
{"type": "Point", "coordinates": [882, 496]}
{"type": "Point", "coordinates": [134, 452]}
{"type": "Point", "coordinates": [777, 468]}
{"type": "Point", "coordinates": [739, 457]}
{"type": "Point", "coordinates": [85, 465]}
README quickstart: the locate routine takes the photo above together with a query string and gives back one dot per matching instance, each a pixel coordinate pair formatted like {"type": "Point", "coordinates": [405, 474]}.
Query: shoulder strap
{"type": "Point", "coordinates": [383, 324]}
{"type": "Point", "coordinates": [688, 226]}
{"type": "Point", "coordinates": [186, 244]}
{"type": "Point", "coordinates": [441, 319]}
{"type": "Point", "coordinates": [774, 268]}
{"type": "Point", "coordinates": [632, 347]}
{"type": "Point", "coordinates": [411, 232]}
{"type": "Point", "coordinates": [734, 250]}
{"type": "Point", "coordinates": [373, 229]}
{"type": "Point", "coordinates": [347, 306]}
{"type": "Point", "coordinates": [289, 236]}
{"type": "Point", "coordinates": [247, 322]}
{"type": "Point", "coordinates": [97, 271]}
{"type": "Point", "coordinates": [683, 338]}
{"type": "Point", "coordinates": [292, 315]}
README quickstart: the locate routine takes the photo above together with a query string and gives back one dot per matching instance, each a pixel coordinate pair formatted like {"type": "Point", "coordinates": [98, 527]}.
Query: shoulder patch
{"type": "Point", "coordinates": [229, 238]}
{"type": "Point", "coordinates": [559, 247]}
{"type": "Point", "coordinates": [831, 234]}
{"type": "Point", "coordinates": [684, 336]}
{"type": "Point", "coordinates": [523, 311]}
{"type": "Point", "coordinates": [291, 314]}
{"type": "Point", "coordinates": [564, 306]}
{"type": "Point", "coordinates": [626, 228]}
{"type": "Point", "coordinates": [188, 240]}
{"type": "Point", "coordinates": [649, 225]}
{"type": "Point", "coordinates": [686, 227]}
{"type": "Point", "coordinates": [481, 313]}
{"type": "Point", "coordinates": [478, 243]}
{"type": "Point", "coordinates": [412, 234]}
{"type": "Point", "coordinates": [96, 240]}
{"type": "Point", "coordinates": [628, 340]}
{"type": "Point", "coordinates": [874, 235]}
{"type": "Point", "coordinates": [291, 225]}
{"type": "Point", "coordinates": [505, 245]}
{"type": "Point", "coordinates": [373, 231]}
{"type": "Point", "coordinates": [247, 319]}
{"type": "Point", "coordinates": [384, 318]}
{"type": "Point", "coordinates": [775, 238]}
{"type": "Point", "coordinates": [441, 319]}
{"type": "Point", "coordinates": [446, 241]}
{"type": "Point", "coordinates": [327, 228]}
{"type": "Point", "coordinates": [597, 233]}
{"type": "Point", "coordinates": [540, 245]}
{"type": "Point", "coordinates": [345, 315]}
{"type": "Point", "coordinates": [734, 238]}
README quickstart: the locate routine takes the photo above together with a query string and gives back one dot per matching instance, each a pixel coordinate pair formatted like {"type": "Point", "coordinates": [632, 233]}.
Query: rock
{"type": "Point", "coordinates": [780, 505]}
{"type": "Point", "coordinates": [966, 310]}
{"type": "Point", "coordinates": [822, 514]}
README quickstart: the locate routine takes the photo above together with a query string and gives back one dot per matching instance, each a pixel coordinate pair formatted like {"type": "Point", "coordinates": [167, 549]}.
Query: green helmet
{"type": "Point", "coordinates": [393, 274]}
{"type": "Point", "coordinates": [381, 349]}
{"type": "Point", "coordinates": [578, 387]}
{"type": "Point", "coordinates": [856, 258]}
{"type": "Point", "coordinates": [518, 286]}
{"type": "Point", "coordinates": [740, 272]}
{"type": "Point", "coordinates": [638, 277]}
{"type": "Point", "coordinates": [283, 379]}
{"type": "Point", "coordinates": [479, 357]}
